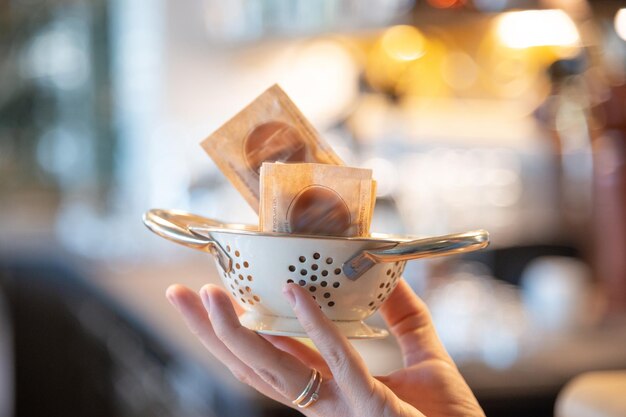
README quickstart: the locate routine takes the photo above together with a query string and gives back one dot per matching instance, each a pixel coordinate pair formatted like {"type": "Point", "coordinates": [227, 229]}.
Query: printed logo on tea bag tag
{"type": "Point", "coordinates": [318, 210]}
{"type": "Point", "coordinates": [273, 142]}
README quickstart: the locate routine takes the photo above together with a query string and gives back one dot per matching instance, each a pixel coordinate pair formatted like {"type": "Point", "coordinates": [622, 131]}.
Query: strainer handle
{"type": "Point", "coordinates": [175, 225]}
{"type": "Point", "coordinates": [415, 249]}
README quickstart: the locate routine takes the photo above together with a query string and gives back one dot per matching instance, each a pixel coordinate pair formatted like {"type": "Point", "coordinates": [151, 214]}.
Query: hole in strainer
{"type": "Point", "coordinates": [303, 272]}
{"type": "Point", "coordinates": [302, 283]}
{"type": "Point", "coordinates": [237, 253]}
{"type": "Point", "coordinates": [256, 298]}
{"type": "Point", "coordinates": [227, 248]}
{"type": "Point", "coordinates": [313, 277]}
{"type": "Point", "coordinates": [249, 278]}
{"type": "Point", "coordinates": [326, 295]}
{"type": "Point", "coordinates": [336, 284]}
{"type": "Point", "coordinates": [312, 288]}
{"type": "Point", "coordinates": [324, 273]}
{"type": "Point", "coordinates": [302, 259]}
{"type": "Point", "coordinates": [332, 303]}
{"type": "Point", "coordinates": [289, 281]}
{"type": "Point", "coordinates": [246, 264]}
{"type": "Point", "coordinates": [314, 267]}
{"type": "Point", "coordinates": [316, 255]}
{"type": "Point", "coordinates": [323, 283]}
{"type": "Point", "coordinates": [329, 261]}
{"type": "Point", "coordinates": [292, 268]}
{"type": "Point", "coordinates": [337, 271]}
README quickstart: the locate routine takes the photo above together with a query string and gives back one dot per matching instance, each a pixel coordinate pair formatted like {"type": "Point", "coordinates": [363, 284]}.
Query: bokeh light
{"type": "Point", "coordinates": [404, 43]}
{"type": "Point", "coordinates": [393, 54]}
{"type": "Point", "coordinates": [531, 28]}
{"type": "Point", "coordinates": [620, 23]}
{"type": "Point", "coordinates": [459, 70]}
{"type": "Point", "coordinates": [447, 4]}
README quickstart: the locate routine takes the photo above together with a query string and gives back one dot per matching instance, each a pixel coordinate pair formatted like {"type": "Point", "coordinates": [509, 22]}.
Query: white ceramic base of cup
{"type": "Point", "coordinates": [289, 326]}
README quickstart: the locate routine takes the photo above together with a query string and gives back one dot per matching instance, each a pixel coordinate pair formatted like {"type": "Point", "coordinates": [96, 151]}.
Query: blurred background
{"type": "Point", "coordinates": [507, 115]}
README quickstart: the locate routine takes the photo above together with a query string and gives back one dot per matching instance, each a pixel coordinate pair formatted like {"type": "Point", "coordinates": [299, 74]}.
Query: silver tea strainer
{"type": "Point", "coordinates": [348, 277]}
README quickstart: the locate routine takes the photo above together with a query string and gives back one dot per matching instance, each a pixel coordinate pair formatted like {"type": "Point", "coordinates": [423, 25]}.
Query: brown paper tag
{"type": "Point", "coordinates": [316, 199]}
{"type": "Point", "coordinates": [270, 129]}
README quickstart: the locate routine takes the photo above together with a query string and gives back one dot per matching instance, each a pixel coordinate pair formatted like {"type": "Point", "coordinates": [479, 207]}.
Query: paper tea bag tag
{"type": "Point", "coordinates": [270, 129]}
{"type": "Point", "coordinates": [316, 199]}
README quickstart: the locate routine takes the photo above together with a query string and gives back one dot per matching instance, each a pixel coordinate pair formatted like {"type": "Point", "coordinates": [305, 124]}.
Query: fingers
{"type": "Point", "coordinates": [409, 321]}
{"type": "Point", "coordinates": [347, 367]}
{"type": "Point", "coordinates": [189, 305]}
{"type": "Point", "coordinates": [238, 309]}
{"type": "Point", "coordinates": [301, 351]}
{"type": "Point", "coordinates": [286, 374]}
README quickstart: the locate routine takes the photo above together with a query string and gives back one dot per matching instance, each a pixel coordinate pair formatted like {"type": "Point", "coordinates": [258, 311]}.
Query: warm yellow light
{"type": "Point", "coordinates": [459, 70]}
{"type": "Point", "coordinates": [620, 23]}
{"type": "Point", "coordinates": [531, 28]}
{"type": "Point", "coordinates": [404, 43]}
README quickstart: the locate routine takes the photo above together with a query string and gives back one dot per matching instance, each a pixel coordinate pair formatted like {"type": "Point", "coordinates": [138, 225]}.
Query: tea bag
{"type": "Point", "coordinates": [271, 128]}
{"type": "Point", "coordinates": [373, 201]}
{"type": "Point", "coordinates": [316, 199]}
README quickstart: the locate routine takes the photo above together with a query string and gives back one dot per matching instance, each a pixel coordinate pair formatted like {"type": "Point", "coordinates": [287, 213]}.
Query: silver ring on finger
{"type": "Point", "coordinates": [310, 393]}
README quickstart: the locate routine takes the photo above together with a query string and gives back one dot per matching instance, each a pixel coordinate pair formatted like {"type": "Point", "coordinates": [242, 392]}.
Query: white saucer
{"type": "Point", "coordinates": [289, 326]}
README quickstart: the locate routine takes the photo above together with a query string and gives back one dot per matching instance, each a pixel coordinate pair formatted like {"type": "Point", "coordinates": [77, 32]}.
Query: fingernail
{"type": "Point", "coordinates": [204, 296]}
{"type": "Point", "coordinates": [290, 296]}
{"type": "Point", "coordinates": [171, 299]}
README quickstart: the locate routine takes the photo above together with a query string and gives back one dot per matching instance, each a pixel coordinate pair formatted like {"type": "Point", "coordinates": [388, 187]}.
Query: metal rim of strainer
{"type": "Point", "coordinates": [202, 225]}
{"type": "Point", "coordinates": [196, 231]}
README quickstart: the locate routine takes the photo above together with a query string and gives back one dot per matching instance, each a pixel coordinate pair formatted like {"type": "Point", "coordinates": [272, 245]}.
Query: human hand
{"type": "Point", "coordinates": [280, 367]}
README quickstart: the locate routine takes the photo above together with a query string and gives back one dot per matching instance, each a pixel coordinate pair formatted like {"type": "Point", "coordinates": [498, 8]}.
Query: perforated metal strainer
{"type": "Point", "coordinates": [348, 277]}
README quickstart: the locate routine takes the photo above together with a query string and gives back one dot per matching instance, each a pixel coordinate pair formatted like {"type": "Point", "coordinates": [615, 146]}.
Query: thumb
{"type": "Point", "coordinates": [410, 322]}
